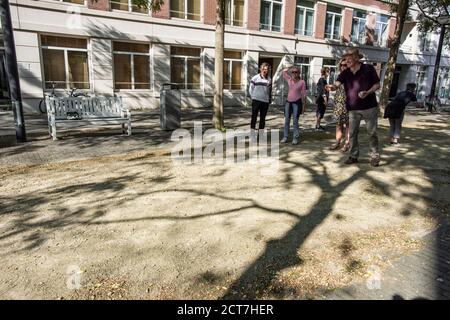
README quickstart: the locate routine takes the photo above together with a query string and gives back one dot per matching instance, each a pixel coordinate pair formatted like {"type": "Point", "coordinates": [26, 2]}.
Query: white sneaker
{"type": "Point", "coordinates": [295, 141]}
{"type": "Point", "coordinates": [284, 140]}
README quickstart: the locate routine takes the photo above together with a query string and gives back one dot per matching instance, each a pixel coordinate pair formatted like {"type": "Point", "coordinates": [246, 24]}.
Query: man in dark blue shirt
{"type": "Point", "coordinates": [395, 111]}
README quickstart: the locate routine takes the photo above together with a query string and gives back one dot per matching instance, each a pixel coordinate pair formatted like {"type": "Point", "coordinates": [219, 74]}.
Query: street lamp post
{"type": "Point", "coordinates": [12, 69]}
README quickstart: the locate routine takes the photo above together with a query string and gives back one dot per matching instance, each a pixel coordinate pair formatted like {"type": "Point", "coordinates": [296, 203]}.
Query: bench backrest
{"type": "Point", "coordinates": [86, 107]}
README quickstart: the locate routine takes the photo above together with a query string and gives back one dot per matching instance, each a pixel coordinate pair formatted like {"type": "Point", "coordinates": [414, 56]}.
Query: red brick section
{"type": "Point", "coordinates": [210, 12]}
{"type": "Point", "coordinates": [164, 13]}
{"type": "Point", "coordinates": [391, 30]}
{"type": "Point", "coordinates": [321, 14]}
{"type": "Point", "coordinates": [347, 24]}
{"type": "Point", "coordinates": [98, 4]}
{"type": "Point", "coordinates": [289, 18]}
{"type": "Point", "coordinates": [254, 10]}
{"type": "Point", "coordinates": [371, 4]}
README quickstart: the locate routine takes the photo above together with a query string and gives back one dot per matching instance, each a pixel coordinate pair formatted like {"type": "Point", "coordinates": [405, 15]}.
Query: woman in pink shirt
{"type": "Point", "coordinates": [295, 102]}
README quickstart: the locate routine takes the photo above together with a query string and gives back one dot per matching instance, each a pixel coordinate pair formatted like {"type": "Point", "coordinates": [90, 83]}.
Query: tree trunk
{"type": "Point", "coordinates": [438, 61]}
{"type": "Point", "coordinates": [393, 51]}
{"type": "Point", "coordinates": [218, 65]}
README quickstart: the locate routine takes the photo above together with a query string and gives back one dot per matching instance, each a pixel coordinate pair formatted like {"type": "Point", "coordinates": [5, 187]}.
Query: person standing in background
{"type": "Point", "coordinates": [260, 91]}
{"type": "Point", "coordinates": [294, 104]}
{"type": "Point", "coordinates": [322, 98]}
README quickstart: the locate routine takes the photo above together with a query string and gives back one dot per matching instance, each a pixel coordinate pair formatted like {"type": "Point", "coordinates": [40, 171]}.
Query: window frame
{"type": "Point", "coordinates": [421, 72]}
{"type": "Point", "coordinates": [272, 2]}
{"type": "Point", "coordinates": [333, 25]}
{"type": "Point", "coordinates": [72, 3]}
{"type": "Point", "coordinates": [66, 61]}
{"type": "Point", "coordinates": [356, 38]}
{"type": "Point", "coordinates": [130, 8]}
{"type": "Point", "coordinates": [232, 15]}
{"type": "Point", "coordinates": [381, 39]}
{"type": "Point", "coordinates": [301, 65]}
{"type": "Point", "coordinates": [304, 9]}
{"type": "Point", "coordinates": [132, 54]}
{"type": "Point", "coordinates": [186, 58]}
{"type": "Point", "coordinates": [186, 14]}
{"type": "Point", "coordinates": [230, 69]}
{"type": "Point", "coordinates": [331, 67]}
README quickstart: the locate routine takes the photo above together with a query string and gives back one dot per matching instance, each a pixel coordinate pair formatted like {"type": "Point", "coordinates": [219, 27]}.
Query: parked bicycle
{"type": "Point", "coordinates": [432, 104]}
{"type": "Point", "coordinates": [72, 93]}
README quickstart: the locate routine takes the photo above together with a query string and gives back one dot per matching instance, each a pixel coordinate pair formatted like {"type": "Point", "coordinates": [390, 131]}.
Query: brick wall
{"type": "Point", "coordinates": [391, 30]}
{"type": "Point", "coordinates": [253, 10]}
{"type": "Point", "coordinates": [289, 17]}
{"type": "Point", "coordinates": [164, 13]}
{"type": "Point", "coordinates": [319, 23]}
{"type": "Point", "coordinates": [210, 12]}
{"type": "Point", "coordinates": [98, 4]}
{"type": "Point", "coordinates": [347, 24]}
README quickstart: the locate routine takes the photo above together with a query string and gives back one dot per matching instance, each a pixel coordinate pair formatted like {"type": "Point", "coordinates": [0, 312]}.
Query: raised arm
{"type": "Point", "coordinates": [286, 75]}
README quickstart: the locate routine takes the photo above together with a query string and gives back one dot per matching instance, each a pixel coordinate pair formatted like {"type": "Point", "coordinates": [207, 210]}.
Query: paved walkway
{"type": "Point", "coordinates": [424, 274]}
{"type": "Point", "coordinates": [147, 136]}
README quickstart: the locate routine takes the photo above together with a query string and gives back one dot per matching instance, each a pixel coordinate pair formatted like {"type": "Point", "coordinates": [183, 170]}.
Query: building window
{"type": "Point", "coordinates": [65, 62]}
{"type": "Point", "coordinates": [359, 26]}
{"type": "Point", "coordinates": [127, 5]}
{"type": "Point", "coordinates": [185, 67]}
{"type": "Point", "coordinates": [232, 70]}
{"type": "Point", "coordinates": [271, 15]}
{"type": "Point", "coordinates": [425, 41]}
{"type": "Point", "coordinates": [332, 69]}
{"type": "Point", "coordinates": [185, 9]}
{"type": "Point", "coordinates": [443, 86]}
{"type": "Point", "coordinates": [304, 18]}
{"type": "Point", "coordinates": [234, 12]}
{"type": "Point", "coordinates": [131, 65]}
{"type": "Point", "coordinates": [304, 65]}
{"type": "Point", "coordinates": [74, 1]}
{"type": "Point", "coordinates": [381, 30]}
{"type": "Point", "coordinates": [333, 23]}
{"type": "Point", "coordinates": [421, 81]}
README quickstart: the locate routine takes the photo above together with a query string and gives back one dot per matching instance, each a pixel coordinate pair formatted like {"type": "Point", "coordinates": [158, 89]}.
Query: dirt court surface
{"type": "Point", "coordinates": [138, 226]}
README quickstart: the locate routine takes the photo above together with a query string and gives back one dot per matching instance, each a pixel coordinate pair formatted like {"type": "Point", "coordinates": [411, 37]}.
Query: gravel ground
{"type": "Point", "coordinates": [139, 226]}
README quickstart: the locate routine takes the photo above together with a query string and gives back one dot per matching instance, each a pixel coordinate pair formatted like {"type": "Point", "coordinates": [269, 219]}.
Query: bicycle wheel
{"type": "Point", "coordinates": [42, 106]}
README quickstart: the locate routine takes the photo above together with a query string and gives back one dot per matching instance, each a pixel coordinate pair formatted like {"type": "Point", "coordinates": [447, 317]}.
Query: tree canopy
{"type": "Point", "coordinates": [429, 12]}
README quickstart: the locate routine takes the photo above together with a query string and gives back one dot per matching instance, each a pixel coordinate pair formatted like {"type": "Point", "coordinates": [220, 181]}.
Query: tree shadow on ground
{"type": "Point", "coordinates": [422, 149]}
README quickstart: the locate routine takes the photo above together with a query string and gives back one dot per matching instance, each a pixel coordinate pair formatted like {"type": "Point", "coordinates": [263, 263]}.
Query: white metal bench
{"type": "Point", "coordinates": [78, 111]}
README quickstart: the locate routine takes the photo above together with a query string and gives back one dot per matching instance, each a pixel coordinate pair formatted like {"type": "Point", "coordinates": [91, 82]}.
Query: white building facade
{"type": "Point", "coordinates": [112, 47]}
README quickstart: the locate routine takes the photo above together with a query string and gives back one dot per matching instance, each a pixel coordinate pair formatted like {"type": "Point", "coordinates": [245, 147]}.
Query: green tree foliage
{"type": "Point", "coordinates": [430, 11]}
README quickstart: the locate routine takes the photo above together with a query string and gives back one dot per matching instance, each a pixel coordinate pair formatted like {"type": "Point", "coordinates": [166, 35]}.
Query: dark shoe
{"type": "Point", "coordinates": [351, 160]}
{"type": "Point", "coordinates": [321, 128]}
{"type": "Point", "coordinates": [375, 161]}
{"type": "Point", "coordinates": [335, 146]}
{"type": "Point", "coordinates": [345, 148]}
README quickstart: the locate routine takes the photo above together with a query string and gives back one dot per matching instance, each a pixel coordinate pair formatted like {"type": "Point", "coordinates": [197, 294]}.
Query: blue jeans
{"type": "Point", "coordinates": [396, 126]}
{"type": "Point", "coordinates": [288, 111]}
